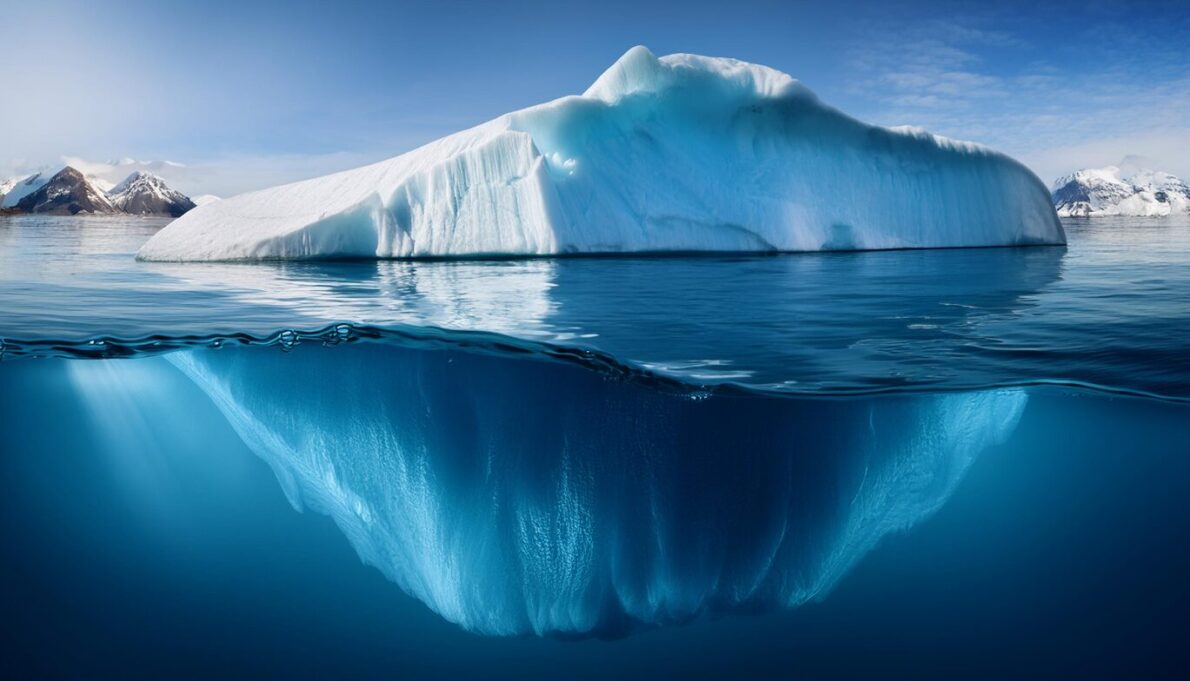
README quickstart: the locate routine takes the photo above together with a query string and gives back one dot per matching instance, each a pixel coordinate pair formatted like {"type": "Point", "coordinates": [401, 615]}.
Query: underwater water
{"type": "Point", "coordinates": [908, 463]}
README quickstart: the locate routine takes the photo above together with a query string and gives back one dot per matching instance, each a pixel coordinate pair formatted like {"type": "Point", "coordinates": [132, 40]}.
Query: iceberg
{"type": "Point", "coordinates": [678, 153]}
{"type": "Point", "coordinates": [590, 505]}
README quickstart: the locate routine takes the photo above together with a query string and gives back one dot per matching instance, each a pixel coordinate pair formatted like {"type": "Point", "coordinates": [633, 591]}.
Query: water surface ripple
{"type": "Point", "coordinates": [1109, 312]}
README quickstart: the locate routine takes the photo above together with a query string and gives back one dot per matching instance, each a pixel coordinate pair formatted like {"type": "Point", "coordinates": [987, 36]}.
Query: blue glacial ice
{"type": "Point", "coordinates": [517, 495]}
{"type": "Point", "coordinates": [678, 153]}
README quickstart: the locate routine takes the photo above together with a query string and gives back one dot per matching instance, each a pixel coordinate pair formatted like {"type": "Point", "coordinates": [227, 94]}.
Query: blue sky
{"type": "Point", "coordinates": [251, 93]}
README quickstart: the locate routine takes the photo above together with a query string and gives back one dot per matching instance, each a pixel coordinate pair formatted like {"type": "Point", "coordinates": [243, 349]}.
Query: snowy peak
{"type": "Point", "coordinates": [125, 184]}
{"type": "Point", "coordinates": [17, 188]}
{"type": "Point", "coordinates": [143, 193]}
{"type": "Point", "coordinates": [68, 192]}
{"type": "Point", "coordinates": [1126, 189]}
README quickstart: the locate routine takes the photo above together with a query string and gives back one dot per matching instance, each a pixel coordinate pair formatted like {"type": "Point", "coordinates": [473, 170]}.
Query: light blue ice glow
{"type": "Point", "coordinates": [586, 505]}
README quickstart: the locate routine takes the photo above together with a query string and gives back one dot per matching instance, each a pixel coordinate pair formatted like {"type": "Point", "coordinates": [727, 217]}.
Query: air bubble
{"type": "Point", "coordinates": [288, 340]}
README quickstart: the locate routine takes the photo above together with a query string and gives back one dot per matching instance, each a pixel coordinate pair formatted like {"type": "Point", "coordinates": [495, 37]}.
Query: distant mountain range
{"type": "Point", "coordinates": [1126, 189]}
{"type": "Point", "coordinates": [70, 192]}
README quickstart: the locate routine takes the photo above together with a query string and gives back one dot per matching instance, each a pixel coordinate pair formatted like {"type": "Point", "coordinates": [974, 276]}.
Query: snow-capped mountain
{"type": "Point", "coordinates": [143, 193]}
{"type": "Point", "coordinates": [68, 192]}
{"type": "Point", "coordinates": [1126, 189]}
{"type": "Point", "coordinates": [108, 174]}
{"type": "Point", "coordinates": [17, 188]}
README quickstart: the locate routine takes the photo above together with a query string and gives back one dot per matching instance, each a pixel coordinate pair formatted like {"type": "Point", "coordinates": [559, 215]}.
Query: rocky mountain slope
{"type": "Point", "coordinates": [69, 192]}
{"type": "Point", "coordinates": [146, 194]}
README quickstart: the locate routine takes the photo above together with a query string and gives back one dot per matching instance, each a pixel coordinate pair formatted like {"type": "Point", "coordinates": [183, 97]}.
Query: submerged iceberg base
{"type": "Point", "coordinates": [517, 495]}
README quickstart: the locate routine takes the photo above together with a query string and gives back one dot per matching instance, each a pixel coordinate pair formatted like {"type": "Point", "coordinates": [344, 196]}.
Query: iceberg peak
{"type": "Point", "coordinates": [677, 153]}
{"type": "Point", "coordinates": [640, 71]}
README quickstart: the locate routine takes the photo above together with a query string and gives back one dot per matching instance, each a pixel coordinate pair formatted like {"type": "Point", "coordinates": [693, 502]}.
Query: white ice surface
{"type": "Point", "coordinates": [681, 153]}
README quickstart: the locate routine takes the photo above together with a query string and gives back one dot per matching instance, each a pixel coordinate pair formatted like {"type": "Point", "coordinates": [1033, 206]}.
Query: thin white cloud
{"type": "Point", "coordinates": [1126, 95]}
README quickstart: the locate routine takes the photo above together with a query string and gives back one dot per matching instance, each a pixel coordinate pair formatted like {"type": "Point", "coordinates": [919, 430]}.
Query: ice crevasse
{"type": "Point", "coordinates": [678, 153]}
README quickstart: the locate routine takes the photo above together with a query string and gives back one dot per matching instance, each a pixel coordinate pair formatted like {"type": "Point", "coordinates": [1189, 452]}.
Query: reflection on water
{"type": "Point", "coordinates": [1109, 312]}
{"type": "Point", "coordinates": [847, 320]}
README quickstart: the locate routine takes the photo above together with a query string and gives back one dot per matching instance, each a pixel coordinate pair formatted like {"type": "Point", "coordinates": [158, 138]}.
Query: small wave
{"type": "Point", "coordinates": [677, 377]}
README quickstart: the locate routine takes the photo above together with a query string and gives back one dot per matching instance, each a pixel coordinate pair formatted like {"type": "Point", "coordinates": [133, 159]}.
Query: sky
{"type": "Point", "coordinates": [250, 93]}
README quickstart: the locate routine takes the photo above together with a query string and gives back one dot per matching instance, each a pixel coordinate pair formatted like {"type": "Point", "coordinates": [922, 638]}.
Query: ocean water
{"type": "Point", "coordinates": [966, 462]}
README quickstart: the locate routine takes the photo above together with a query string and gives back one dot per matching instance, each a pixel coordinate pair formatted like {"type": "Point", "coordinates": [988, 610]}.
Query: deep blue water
{"type": "Point", "coordinates": [902, 464]}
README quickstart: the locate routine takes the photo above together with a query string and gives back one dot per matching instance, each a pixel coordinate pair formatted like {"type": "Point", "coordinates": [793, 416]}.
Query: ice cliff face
{"type": "Point", "coordinates": [671, 154]}
{"type": "Point", "coordinates": [1126, 189]}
